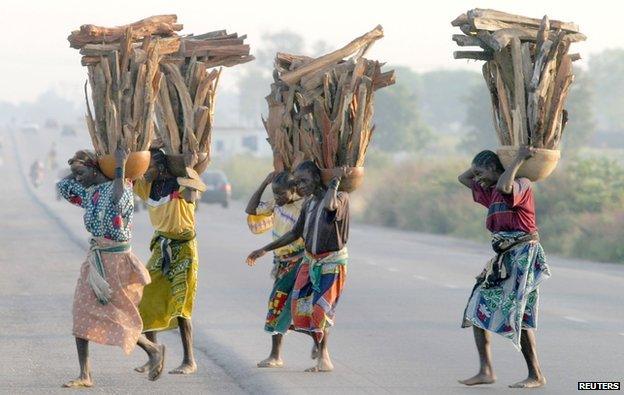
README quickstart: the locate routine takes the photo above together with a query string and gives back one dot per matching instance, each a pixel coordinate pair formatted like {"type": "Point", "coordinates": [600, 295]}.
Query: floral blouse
{"type": "Point", "coordinates": [102, 217]}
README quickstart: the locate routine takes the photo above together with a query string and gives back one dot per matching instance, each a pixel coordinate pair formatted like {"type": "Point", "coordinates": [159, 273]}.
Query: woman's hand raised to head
{"type": "Point", "coordinates": [525, 152]}
{"type": "Point", "coordinates": [270, 177]}
{"type": "Point", "coordinates": [341, 172]}
{"type": "Point", "coordinates": [121, 155]}
{"type": "Point", "coordinates": [191, 159]}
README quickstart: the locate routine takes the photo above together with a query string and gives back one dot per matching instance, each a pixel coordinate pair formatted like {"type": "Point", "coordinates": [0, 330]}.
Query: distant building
{"type": "Point", "coordinates": [230, 141]}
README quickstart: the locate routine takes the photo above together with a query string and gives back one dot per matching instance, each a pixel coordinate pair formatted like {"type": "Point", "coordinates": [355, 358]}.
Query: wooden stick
{"type": "Point", "coordinates": [488, 40]}
{"type": "Point", "coordinates": [475, 55]}
{"type": "Point", "coordinates": [460, 20]}
{"type": "Point", "coordinates": [478, 13]}
{"type": "Point", "coordinates": [519, 99]}
{"type": "Point", "coordinates": [562, 83]}
{"type": "Point", "coordinates": [169, 118]}
{"type": "Point", "coordinates": [503, 105]}
{"type": "Point", "coordinates": [95, 140]}
{"type": "Point", "coordinates": [155, 25]}
{"type": "Point", "coordinates": [491, 84]}
{"type": "Point", "coordinates": [174, 75]}
{"type": "Point", "coordinates": [333, 57]}
{"type": "Point", "coordinates": [468, 41]}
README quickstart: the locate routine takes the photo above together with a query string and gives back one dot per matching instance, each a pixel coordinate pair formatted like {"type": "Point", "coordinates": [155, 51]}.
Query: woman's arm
{"type": "Point", "coordinates": [466, 178]}
{"type": "Point", "coordinates": [295, 233]}
{"type": "Point", "coordinates": [190, 161]}
{"type": "Point", "coordinates": [71, 190]}
{"type": "Point", "coordinates": [254, 201]}
{"type": "Point", "coordinates": [190, 195]}
{"type": "Point", "coordinates": [121, 155]}
{"type": "Point", "coordinates": [286, 239]}
{"type": "Point", "coordinates": [330, 200]}
{"type": "Point", "coordinates": [506, 180]}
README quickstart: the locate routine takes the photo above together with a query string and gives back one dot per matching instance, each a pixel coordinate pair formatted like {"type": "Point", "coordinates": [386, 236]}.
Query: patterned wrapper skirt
{"type": "Point", "coordinates": [171, 293]}
{"type": "Point", "coordinates": [118, 322]}
{"type": "Point", "coordinates": [507, 306]}
{"type": "Point", "coordinates": [279, 316]}
{"type": "Point", "coordinates": [318, 286]}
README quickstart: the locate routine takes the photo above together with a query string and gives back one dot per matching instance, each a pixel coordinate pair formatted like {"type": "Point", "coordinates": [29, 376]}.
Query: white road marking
{"type": "Point", "coordinates": [450, 286]}
{"type": "Point", "coordinates": [391, 269]}
{"type": "Point", "coordinates": [421, 277]}
{"type": "Point", "coordinates": [574, 319]}
{"type": "Point", "coordinates": [621, 333]}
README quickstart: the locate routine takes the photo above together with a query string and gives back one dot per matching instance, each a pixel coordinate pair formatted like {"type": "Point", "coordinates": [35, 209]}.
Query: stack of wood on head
{"type": "Point", "coordinates": [122, 65]}
{"type": "Point", "coordinates": [321, 109]}
{"type": "Point", "coordinates": [186, 99]}
{"type": "Point", "coordinates": [528, 72]}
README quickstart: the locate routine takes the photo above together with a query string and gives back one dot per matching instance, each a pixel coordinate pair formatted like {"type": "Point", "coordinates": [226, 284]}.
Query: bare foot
{"type": "Point", "coordinates": [530, 382]}
{"type": "Point", "coordinates": [271, 362]}
{"type": "Point", "coordinates": [80, 382]}
{"type": "Point", "coordinates": [315, 352]}
{"type": "Point", "coordinates": [156, 363]}
{"type": "Point", "coordinates": [185, 368]}
{"type": "Point", "coordinates": [143, 368]}
{"type": "Point", "coordinates": [323, 365]}
{"type": "Point", "coordinates": [481, 378]}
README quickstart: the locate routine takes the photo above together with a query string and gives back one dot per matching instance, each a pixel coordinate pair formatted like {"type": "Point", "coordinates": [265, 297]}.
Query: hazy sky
{"type": "Point", "coordinates": [35, 54]}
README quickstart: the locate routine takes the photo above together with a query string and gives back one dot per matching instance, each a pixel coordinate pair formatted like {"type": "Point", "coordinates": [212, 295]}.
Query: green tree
{"type": "Point", "coordinates": [397, 120]}
{"type": "Point", "coordinates": [443, 96]}
{"type": "Point", "coordinates": [478, 124]}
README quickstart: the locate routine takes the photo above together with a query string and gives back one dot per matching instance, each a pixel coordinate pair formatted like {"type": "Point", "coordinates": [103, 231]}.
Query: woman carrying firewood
{"type": "Point", "coordinates": [504, 299]}
{"type": "Point", "coordinates": [112, 278]}
{"type": "Point", "coordinates": [324, 226]}
{"type": "Point", "coordinates": [280, 214]}
{"type": "Point", "coordinates": [168, 300]}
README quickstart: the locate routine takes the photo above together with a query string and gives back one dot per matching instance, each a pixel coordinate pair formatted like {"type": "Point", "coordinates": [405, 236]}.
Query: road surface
{"type": "Point", "coordinates": [397, 327]}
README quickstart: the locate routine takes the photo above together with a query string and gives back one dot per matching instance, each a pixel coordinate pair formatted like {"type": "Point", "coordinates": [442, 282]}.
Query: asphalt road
{"type": "Point", "coordinates": [397, 327]}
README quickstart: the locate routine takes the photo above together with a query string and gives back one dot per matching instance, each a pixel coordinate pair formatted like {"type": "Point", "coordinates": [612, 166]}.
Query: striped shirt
{"type": "Point", "coordinates": [284, 219]}
{"type": "Point", "coordinates": [508, 212]}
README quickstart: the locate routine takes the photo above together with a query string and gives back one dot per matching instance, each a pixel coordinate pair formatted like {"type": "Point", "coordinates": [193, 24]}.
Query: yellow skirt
{"type": "Point", "coordinates": [170, 294]}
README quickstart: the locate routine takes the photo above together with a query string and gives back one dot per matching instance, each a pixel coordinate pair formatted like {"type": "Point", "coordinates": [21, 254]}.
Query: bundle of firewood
{"type": "Point", "coordinates": [123, 68]}
{"type": "Point", "coordinates": [321, 109]}
{"type": "Point", "coordinates": [186, 99]}
{"type": "Point", "coordinates": [528, 72]}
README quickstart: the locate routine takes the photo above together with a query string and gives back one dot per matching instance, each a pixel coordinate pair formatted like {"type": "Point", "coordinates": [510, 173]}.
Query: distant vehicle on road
{"type": "Point", "coordinates": [218, 188]}
{"type": "Point", "coordinates": [68, 130]}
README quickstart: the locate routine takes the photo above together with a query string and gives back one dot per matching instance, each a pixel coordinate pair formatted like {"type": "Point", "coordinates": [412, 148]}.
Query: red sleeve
{"type": "Point", "coordinates": [481, 195]}
{"type": "Point", "coordinates": [522, 188]}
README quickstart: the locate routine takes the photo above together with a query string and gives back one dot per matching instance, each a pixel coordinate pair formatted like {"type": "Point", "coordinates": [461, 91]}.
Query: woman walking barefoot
{"type": "Point", "coordinates": [168, 300]}
{"type": "Point", "coordinates": [283, 212]}
{"type": "Point", "coordinates": [324, 226]}
{"type": "Point", "coordinates": [504, 299]}
{"type": "Point", "coordinates": [112, 278]}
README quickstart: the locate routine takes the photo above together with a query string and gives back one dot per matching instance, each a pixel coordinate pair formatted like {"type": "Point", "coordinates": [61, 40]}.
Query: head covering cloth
{"type": "Point", "coordinates": [86, 158]}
